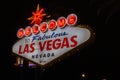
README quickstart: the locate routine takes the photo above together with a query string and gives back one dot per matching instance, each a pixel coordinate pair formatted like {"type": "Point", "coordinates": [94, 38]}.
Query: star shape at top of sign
{"type": "Point", "coordinates": [37, 16]}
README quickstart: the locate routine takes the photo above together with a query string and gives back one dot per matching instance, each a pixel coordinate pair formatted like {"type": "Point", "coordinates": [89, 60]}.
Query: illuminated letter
{"type": "Point", "coordinates": [61, 22]}
{"type": "Point", "coordinates": [20, 47]}
{"type": "Point", "coordinates": [49, 45]}
{"type": "Point", "coordinates": [32, 47]}
{"type": "Point", "coordinates": [43, 27]}
{"type": "Point", "coordinates": [35, 29]}
{"type": "Point", "coordinates": [56, 44]}
{"type": "Point", "coordinates": [74, 41]}
{"type": "Point", "coordinates": [28, 31]}
{"type": "Point", "coordinates": [71, 19]}
{"type": "Point", "coordinates": [65, 43]}
{"type": "Point", "coordinates": [42, 46]}
{"type": "Point", "coordinates": [52, 25]}
{"type": "Point", "coordinates": [26, 49]}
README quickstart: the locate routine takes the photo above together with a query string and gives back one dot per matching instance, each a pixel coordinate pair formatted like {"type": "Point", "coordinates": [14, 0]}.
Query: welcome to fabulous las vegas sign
{"type": "Point", "coordinates": [47, 42]}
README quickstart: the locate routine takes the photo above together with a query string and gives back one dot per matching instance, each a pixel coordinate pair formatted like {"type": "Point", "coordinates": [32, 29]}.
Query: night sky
{"type": "Point", "coordinates": [99, 60]}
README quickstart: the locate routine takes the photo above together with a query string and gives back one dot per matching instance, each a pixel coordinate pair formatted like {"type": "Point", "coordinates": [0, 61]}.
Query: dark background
{"type": "Point", "coordinates": [98, 60]}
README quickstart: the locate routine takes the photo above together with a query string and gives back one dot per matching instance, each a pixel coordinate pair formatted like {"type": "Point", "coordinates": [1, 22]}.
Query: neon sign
{"type": "Point", "coordinates": [47, 42]}
{"type": "Point", "coordinates": [37, 16]}
{"type": "Point", "coordinates": [51, 25]}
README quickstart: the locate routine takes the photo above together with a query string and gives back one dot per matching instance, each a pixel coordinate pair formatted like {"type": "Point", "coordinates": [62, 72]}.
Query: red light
{"type": "Point", "coordinates": [35, 29]}
{"type": "Point", "coordinates": [61, 22]}
{"type": "Point", "coordinates": [71, 19]}
{"type": "Point", "coordinates": [37, 16]}
{"type": "Point", "coordinates": [20, 33]}
{"type": "Point", "coordinates": [28, 31]}
{"type": "Point", "coordinates": [43, 27]}
{"type": "Point", "coordinates": [52, 25]}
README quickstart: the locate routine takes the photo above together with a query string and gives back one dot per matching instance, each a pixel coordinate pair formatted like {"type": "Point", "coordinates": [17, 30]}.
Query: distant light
{"type": "Point", "coordinates": [104, 79]}
{"type": "Point", "coordinates": [48, 16]}
{"type": "Point", "coordinates": [83, 75]}
{"type": "Point", "coordinates": [31, 65]}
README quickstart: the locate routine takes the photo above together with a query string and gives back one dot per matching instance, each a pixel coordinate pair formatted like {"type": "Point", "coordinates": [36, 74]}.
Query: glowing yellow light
{"type": "Point", "coordinates": [19, 61]}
